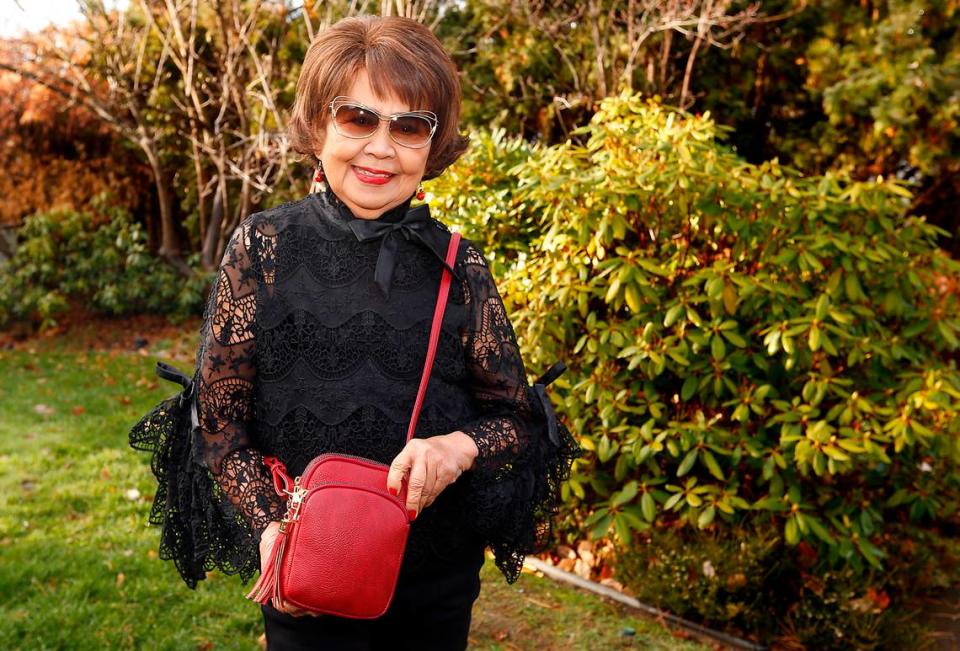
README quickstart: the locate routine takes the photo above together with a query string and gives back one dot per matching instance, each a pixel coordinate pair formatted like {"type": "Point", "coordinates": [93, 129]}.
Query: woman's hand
{"type": "Point", "coordinates": [432, 464]}
{"type": "Point", "coordinates": [266, 546]}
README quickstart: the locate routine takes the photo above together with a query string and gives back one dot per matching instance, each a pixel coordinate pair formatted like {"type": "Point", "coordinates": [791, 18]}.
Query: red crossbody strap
{"type": "Point", "coordinates": [435, 331]}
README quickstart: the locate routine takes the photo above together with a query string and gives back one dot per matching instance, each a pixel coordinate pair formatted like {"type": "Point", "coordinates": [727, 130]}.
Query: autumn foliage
{"type": "Point", "coordinates": [56, 154]}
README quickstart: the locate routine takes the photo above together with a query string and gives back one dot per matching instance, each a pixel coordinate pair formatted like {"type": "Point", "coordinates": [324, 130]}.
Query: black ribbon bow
{"type": "Point", "coordinates": [413, 226]}
{"type": "Point", "coordinates": [540, 391]}
{"type": "Point", "coordinates": [174, 374]}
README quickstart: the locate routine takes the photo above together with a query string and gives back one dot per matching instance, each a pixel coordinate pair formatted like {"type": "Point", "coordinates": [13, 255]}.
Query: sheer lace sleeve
{"type": "Point", "coordinates": [514, 487]}
{"type": "Point", "coordinates": [497, 379]}
{"type": "Point", "coordinates": [226, 372]}
{"type": "Point", "coordinates": [213, 494]}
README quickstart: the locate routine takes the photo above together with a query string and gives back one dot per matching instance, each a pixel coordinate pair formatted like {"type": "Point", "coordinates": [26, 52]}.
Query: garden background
{"type": "Point", "coordinates": [734, 221]}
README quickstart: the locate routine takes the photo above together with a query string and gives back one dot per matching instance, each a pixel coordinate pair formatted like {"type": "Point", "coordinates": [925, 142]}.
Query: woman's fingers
{"type": "Point", "coordinates": [432, 485]}
{"type": "Point", "coordinates": [429, 467]}
{"type": "Point", "coordinates": [399, 469]}
{"type": "Point", "coordinates": [410, 463]}
{"type": "Point", "coordinates": [444, 476]}
{"type": "Point", "coordinates": [415, 486]}
{"type": "Point", "coordinates": [290, 609]}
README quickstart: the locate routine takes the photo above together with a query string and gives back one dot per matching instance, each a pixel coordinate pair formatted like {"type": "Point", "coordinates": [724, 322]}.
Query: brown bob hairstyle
{"type": "Point", "coordinates": [401, 57]}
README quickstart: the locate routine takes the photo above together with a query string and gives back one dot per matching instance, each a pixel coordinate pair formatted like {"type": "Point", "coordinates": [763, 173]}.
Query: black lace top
{"type": "Point", "coordinates": [313, 340]}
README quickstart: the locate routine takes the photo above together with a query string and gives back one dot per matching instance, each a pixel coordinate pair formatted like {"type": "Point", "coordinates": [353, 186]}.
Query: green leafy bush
{"type": "Point", "coordinates": [721, 576]}
{"type": "Point", "coordinates": [747, 346]}
{"type": "Point", "coordinates": [478, 194]}
{"type": "Point", "coordinates": [100, 262]}
{"type": "Point", "coordinates": [743, 579]}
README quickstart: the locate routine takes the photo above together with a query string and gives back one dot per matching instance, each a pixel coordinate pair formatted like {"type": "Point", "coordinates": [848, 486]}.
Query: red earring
{"type": "Point", "coordinates": [420, 193]}
{"type": "Point", "coordinates": [318, 184]}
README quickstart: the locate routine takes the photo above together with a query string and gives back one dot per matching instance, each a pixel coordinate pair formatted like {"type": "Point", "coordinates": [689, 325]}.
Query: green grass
{"type": "Point", "coordinates": [79, 567]}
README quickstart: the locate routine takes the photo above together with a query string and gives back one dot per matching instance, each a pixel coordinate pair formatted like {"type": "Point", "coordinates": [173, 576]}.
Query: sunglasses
{"type": "Point", "coordinates": [354, 120]}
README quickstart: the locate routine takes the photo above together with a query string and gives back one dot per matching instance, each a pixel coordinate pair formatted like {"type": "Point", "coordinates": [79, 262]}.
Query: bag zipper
{"type": "Point", "coordinates": [337, 454]}
{"type": "Point", "coordinates": [297, 495]}
{"type": "Point", "coordinates": [281, 473]}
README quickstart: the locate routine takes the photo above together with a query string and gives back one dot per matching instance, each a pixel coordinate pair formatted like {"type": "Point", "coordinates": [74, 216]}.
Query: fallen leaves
{"type": "Point", "coordinates": [542, 604]}
{"type": "Point", "coordinates": [708, 570]}
{"type": "Point", "coordinates": [590, 561]}
{"type": "Point", "coordinates": [616, 585]}
{"type": "Point", "coordinates": [875, 601]}
{"type": "Point", "coordinates": [736, 580]}
{"type": "Point", "coordinates": [43, 410]}
{"type": "Point", "coordinates": [584, 561]}
{"type": "Point", "coordinates": [149, 383]}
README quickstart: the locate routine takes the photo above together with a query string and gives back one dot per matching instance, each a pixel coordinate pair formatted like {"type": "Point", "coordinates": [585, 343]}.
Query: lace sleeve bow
{"type": "Point", "coordinates": [525, 452]}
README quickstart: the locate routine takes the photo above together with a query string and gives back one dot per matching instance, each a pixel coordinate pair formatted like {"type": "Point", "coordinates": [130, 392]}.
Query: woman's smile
{"type": "Point", "coordinates": [372, 176]}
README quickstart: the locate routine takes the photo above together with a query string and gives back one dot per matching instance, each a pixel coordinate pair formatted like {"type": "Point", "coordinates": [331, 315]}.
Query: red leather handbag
{"type": "Point", "coordinates": [343, 537]}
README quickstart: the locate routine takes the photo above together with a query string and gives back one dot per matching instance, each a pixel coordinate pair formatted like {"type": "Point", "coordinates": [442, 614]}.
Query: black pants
{"type": "Point", "coordinates": [430, 611]}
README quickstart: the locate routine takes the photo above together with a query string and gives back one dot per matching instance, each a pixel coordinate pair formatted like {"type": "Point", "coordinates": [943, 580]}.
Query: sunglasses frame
{"type": "Point", "coordinates": [342, 100]}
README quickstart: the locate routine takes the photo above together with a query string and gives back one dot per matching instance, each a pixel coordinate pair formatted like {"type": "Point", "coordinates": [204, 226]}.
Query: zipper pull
{"type": "Point", "coordinates": [297, 496]}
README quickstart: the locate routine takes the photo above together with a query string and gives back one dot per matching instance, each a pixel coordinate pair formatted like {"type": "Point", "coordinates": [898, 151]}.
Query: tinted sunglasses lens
{"type": "Point", "coordinates": [410, 130]}
{"type": "Point", "coordinates": [354, 121]}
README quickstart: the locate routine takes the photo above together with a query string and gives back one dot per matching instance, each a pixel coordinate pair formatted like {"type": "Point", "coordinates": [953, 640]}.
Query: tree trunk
{"type": "Point", "coordinates": [211, 238]}
{"type": "Point", "coordinates": [169, 242]}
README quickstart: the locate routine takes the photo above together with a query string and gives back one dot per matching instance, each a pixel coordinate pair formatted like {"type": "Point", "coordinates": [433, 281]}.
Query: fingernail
{"type": "Point", "coordinates": [412, 514]}
{"type": "Point", "coordinates": [393, 491]}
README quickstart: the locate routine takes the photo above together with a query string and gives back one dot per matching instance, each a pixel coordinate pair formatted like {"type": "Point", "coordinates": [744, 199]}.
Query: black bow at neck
{"type": "Point", "coordinates": [413, 224]}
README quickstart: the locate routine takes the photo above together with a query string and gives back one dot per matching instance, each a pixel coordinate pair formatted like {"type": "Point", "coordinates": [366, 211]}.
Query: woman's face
{"type": "Point", "coordinates": [344, 159]}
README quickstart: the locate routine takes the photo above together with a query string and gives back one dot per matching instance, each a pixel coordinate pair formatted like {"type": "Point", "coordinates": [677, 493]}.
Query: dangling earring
{"type": "Point", "coordinates": [420, 193]}
{"type": "Point", "coordinates": [318, 180]}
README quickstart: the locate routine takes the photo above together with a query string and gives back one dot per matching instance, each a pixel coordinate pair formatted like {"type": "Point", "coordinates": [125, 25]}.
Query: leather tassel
{"type": "Point", "coordinates": [268, 585]}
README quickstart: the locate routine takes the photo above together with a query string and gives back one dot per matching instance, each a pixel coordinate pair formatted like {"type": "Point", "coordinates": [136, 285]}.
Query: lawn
{"type": "Point", "coordinates": [80, 569]}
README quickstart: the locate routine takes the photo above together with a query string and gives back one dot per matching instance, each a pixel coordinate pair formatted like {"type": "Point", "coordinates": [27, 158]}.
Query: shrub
{"type": "Point", "coordinates": [747, 346]}
{"type": "Point", "coordinates": [100, 261]}
{"type": "Point", "coordinates": [744, 580]}
{"type": "Point", "coordinates": [478, 194]}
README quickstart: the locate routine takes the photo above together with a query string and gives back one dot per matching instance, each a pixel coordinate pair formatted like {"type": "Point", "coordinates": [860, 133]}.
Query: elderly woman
{"type": "Point", "coordinates": [314, 339]}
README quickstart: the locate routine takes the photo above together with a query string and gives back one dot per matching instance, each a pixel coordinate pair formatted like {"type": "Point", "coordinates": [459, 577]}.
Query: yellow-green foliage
{"type": "Point", "coordinates": [744, 344]}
